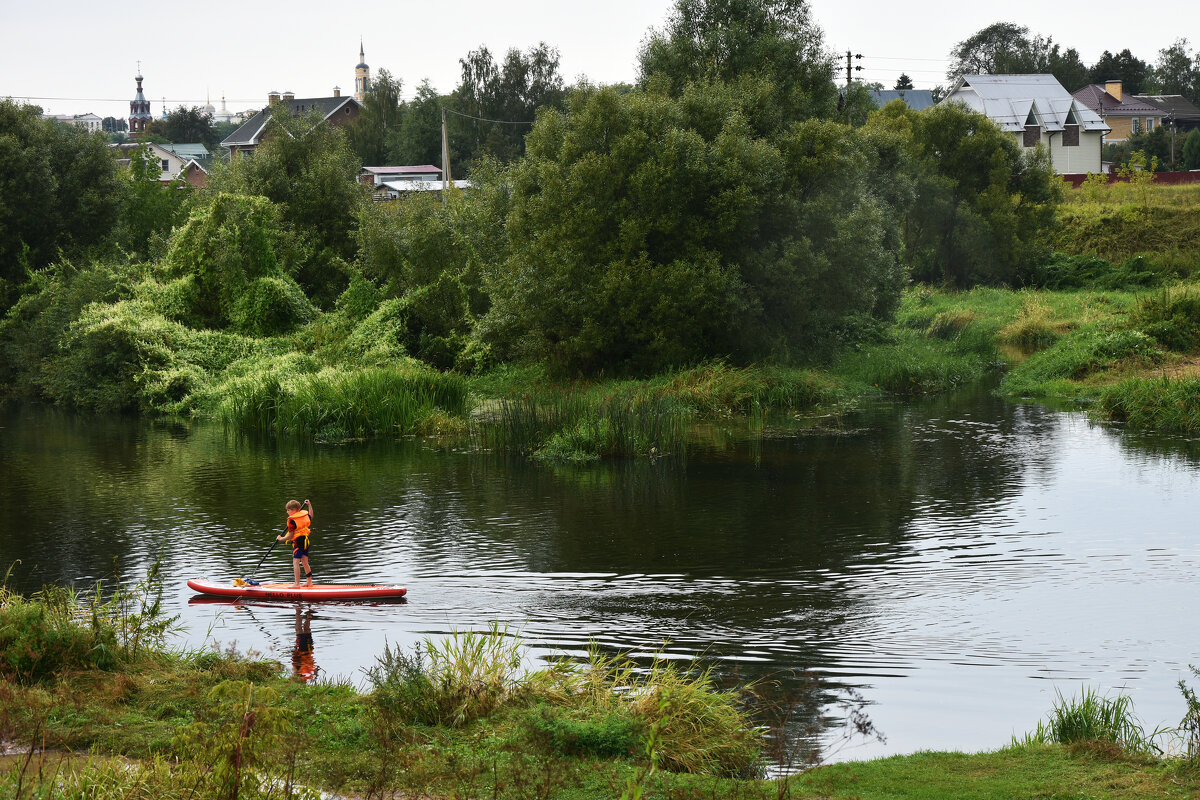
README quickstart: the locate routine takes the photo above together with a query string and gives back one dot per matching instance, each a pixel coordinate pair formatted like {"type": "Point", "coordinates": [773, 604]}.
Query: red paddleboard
{"type": "Point", "coordinates": [286, 591]}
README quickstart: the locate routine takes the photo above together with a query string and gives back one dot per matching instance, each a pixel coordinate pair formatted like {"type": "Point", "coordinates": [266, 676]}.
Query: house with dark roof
{"type": "Point", "coordinates": [1124, 114]}
{"type": "Point", "coordinates": [1176, 109]}
{"type": "Point", "coordinates": [1037, 110]}
{"type": "Point", "coordinates": [336, 110]}
{"type": "Point", "coordinates": [916, 99]}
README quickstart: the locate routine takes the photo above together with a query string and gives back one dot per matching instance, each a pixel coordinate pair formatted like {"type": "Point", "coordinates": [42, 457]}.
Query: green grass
{"type": "Point", "coordinates": [1093, 718]}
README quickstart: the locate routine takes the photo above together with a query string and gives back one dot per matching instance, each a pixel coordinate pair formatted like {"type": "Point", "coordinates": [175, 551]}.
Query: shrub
{"type": "Point", "coordinates": [270, 305]}
{"type": "Point", "coordinates": [1034, 327]}
{"type": "Point", "coordinates": [613, 734]}
{"type": "Point", "coordinates": [1170, 318]}
{"type": "Point", "coordinates": [57, 630]}
{"type": "Point", "coordinates": [33, 329]}
{"type": "Point", "coordinates": [1088, 271]}
{"type": "Point", "coordinates": [462, 678]}
{"type": "Point", "coordinates": [699, 728]}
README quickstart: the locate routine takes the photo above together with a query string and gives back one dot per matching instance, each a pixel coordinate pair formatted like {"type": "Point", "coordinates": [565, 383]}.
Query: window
{"type": "Point", "coordinates": [166, 165]}
{"type": "Point", "coordinates": [1033, 135]}
{"type": "Point", "coordinates": [1070, 136]}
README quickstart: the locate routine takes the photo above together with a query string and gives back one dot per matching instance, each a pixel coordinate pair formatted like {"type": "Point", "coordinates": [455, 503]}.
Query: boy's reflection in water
{"type": "Point", "coordinates": [304, 666]}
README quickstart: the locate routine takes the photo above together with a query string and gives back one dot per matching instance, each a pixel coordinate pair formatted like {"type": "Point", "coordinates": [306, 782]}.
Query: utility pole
{"type": "Point", "coordinates": [851, 68]}
{"type": "Point", "coordinates": [844, 101]}
{"type": "Point", "coordinates": [445, 157]}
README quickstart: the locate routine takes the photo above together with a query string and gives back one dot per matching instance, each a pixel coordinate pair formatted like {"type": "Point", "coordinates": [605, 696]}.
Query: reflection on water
{"type": "Point", "coordinates": [954, 560]}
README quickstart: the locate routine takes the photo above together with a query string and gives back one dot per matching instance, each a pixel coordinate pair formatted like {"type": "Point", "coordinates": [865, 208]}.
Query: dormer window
{"type": "Point", "coordinates": [1033, 131]}
{"type": "Point", "coordinates": [1070, 136]}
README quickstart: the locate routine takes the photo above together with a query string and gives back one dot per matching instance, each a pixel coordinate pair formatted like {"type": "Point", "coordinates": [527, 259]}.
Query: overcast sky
{"type": "Point", "coordinates": [74, 57]}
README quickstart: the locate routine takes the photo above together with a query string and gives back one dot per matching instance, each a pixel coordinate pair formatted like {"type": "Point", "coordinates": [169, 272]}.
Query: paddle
{"type": "Point", "coordinates": [240, 582]}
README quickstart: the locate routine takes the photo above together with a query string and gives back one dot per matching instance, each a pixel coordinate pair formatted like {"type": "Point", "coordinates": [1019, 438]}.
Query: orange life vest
{"type": "Point", "coordinates": [302, 521]}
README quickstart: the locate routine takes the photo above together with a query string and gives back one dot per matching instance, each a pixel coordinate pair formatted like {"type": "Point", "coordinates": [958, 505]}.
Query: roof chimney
{"type": "Point", "coordinates": [289, 96]}
{"type": "Point", "coordinates": [272, 97]}
{"type": "Point", "coordinates": [1113, 88]}
{"type": "Point", "coordinates": [337, 91]}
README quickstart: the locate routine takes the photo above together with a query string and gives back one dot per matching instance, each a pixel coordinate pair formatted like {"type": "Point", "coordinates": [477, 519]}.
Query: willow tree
{"type": "Point", "coordinates": [647, 231]}
{"type": "Point", "coordinates": [774, 43]}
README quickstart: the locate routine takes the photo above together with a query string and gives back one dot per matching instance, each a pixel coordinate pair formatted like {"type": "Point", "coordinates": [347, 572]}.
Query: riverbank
{"type": "Point", "coordinates": [84, 676]}
{"type": "Point", "coordinates": [1110, 323]}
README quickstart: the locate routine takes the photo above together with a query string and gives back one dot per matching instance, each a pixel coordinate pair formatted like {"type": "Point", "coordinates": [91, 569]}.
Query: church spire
{"type": "Point", "coordinates": [139, 108]}
{"type": "Point", "coordinates": [362, 74]}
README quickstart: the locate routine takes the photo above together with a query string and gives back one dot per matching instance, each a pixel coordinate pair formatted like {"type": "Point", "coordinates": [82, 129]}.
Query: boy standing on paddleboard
{"type": "Point", "coordinates": [299, 519]}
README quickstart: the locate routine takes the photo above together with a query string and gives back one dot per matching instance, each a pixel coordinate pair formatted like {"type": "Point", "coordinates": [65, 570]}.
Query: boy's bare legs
{"type": "Point", "coordinates": [296, 571]}
{"type": "Point", "coordinates": [307, 571]}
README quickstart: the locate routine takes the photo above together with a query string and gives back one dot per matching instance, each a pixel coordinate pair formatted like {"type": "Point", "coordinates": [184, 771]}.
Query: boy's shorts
{"type": "Point", "coordinates": [299, 550]}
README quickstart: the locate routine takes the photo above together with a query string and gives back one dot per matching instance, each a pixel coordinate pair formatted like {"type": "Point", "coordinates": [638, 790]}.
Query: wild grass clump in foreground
{"type": "Point", "coordinates": [1097, 719]}
{"type": "Point", "coordinates": [606, 705]}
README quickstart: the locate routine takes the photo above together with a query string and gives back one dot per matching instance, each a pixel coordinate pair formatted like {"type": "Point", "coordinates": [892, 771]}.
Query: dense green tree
{"type": "Point", "coordinates": [184, 126]}
{"type": "Point", "coordinates": [496, 103]}
{"type": "Point", "coordinates": [1177, 72]}
{"type": "Point", "coordinates": [983, 208]}
{"type": "Point", "coordinates": [1191, 150]}
{"type": "Point", "coordinates": [1000, 48]}
{"type": "Point", "coordinates": [1153, 144]}
{"type": "Point", "coordinates": [1007, 48]}
{"type": "Point", "coordinates": [647, 231]}
{"type": "Point", "coordinates": [1135, 75]}
{"type": "Point", "coordinates": [150, 209]}
{"type": "Point", "coordinates": [768, 43]}
{"type": "Point", "coordinates": [419, 139]}
{"type": "Point", "coordinates": [228, 263]}
{"type": "Point", "coordinates": [309, 170]}
{"type": "Point", "coordinates": [382, 111]}
{"type": "Point", "coordinates": [903, 82]}
{"type": "Point", "coordinates": [59, 193]}
{"type": "Point", "coordinates": [424, 257]}
{"type": "Point", "coordinates": [1066, 65]}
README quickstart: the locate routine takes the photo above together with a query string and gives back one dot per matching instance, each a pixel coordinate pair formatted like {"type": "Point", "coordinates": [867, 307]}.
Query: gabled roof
{"type": "Point", "coordinates": [1175, 106]}
{"type": "Point", "coordinates": [1009, 100]}
{"type": "Point", "coordinates": [1099, 100]}
{"type": "Point", "coordinates": [251, 131]}
{"type": "Point", "coordinates": [191, 163]}
{"type": "Point", "coordinates": [916, 99]}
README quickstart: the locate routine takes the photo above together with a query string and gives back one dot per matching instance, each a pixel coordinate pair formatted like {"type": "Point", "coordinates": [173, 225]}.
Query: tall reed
{"type": "Point", "coordinates": [1094, 718]}
{"type": "Point", "coordinates": [339, 404]}
{"type": "Point", "coordinates": [580, 426]}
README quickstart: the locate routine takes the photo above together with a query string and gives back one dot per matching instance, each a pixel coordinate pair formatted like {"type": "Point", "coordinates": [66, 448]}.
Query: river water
{"type": "Point", "coordinates": [955, 561]}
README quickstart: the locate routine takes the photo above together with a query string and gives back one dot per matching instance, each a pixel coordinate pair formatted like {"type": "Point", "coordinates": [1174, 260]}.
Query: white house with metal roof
{"type": "Point", "coordinates": [1037, 110]}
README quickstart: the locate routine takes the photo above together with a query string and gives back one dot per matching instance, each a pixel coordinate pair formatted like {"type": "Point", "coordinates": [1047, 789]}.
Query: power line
{"type": "Point", "coordinates": [484, 119]}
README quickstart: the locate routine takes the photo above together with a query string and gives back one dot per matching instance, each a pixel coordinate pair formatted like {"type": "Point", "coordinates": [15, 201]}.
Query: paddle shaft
{"type": "Point", "coordinates": [264, 558]}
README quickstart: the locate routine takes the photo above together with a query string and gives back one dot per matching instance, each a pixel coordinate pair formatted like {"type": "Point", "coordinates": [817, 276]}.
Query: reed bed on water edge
{"type": "Point", "coordinates": [340, 404]}
{"type": "Point", "coordinates": [525, 412]}
{"type": "Point", "coordinates": [579, 427]}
